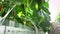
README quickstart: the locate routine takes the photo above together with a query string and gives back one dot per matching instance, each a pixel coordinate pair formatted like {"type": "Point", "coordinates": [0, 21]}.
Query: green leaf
{"type": "Point", "coordinates": [46, 4]}
{"type": "Point", "coordinates": [36, 6]}
{"type": "Point", "coordinates": [45, 10]}
{"type": "Point", "coordinates": [47, 17]}
{"type": "Point", "coordinates": [17, 9]}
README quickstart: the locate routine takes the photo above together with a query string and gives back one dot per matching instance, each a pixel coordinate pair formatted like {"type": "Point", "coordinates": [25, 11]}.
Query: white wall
{"type": "Point", "coordinates": [14, 30]}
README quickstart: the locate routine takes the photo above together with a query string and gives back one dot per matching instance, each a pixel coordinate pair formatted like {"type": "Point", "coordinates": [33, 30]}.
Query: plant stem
{"type": "Point", "coordinates": [36, 29]}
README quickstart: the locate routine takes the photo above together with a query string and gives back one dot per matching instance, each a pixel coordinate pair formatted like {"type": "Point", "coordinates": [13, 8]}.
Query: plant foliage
{"type": "Point", "coordinates": [37, 10]}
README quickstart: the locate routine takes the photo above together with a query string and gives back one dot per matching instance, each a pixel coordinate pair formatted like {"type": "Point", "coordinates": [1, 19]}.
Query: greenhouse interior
{"type": "Point", "coordinates": [29, 16]}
